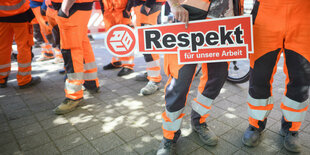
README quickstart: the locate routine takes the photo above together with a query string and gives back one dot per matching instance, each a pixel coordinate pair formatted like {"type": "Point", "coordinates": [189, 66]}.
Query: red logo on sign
{"type": "Point", "coordinates": [120, 40]}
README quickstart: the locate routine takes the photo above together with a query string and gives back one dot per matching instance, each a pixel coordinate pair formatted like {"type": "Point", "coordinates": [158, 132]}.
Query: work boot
{"type": "Point", "coordinates": [167, 147]}
{"type": "Point", "coordinates": [112, 66]}
{"type": "Point", "coordinates": [62, 71]}
{"type": "Point", "coordinates": [3, 85]}
{"type": "Point", "coordinates": [124, 71]}
{"type": "Point", "coordinates": [150, 88]}
{"type": "Point", "coordinates": [251, 136]}
{"type": "Point", "coordinates": [67, 106]}
{"type": "Point", "coordinates": [142, 77]}
{"type": "Point", "coordinates": [291, 141]}
{"type": "Point", "coordinates": [34, 81]}
{"type": "Point", "coordinates": [206, 135]}
{"type": "Point", "coordinates": [93, 91]}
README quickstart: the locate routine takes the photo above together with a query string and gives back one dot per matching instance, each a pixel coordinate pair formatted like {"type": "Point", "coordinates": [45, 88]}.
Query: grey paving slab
{"type": "Point", "coordinates": [6, 137]}
{"type": "Point", "coordinates": [20, 113]}
{"type": "Point", "coordinates": [233, 136]}
{"type": "Point", "coordinates": [70, 141]}
{"type": "Point", "coordinates": [23, 121]}
{"type": "Point", "coordinates": [123, 149]}
{"type": "Point", "coordinates": [201, 151]}
{"type": "Point", "coordinates": [33, 141]}
{"type": "Point", "coordinates": [4, 126]}
{"type": "Point", "coordinates": [107, 142]}
{"type": "Point", "coordinates": [130, 133]}
{"type": "Point", "coordinates": [94, 132]}
{"type": "Point", "coordinates": [262, 148]}
{"type": "Point", "coordinates": [222, 148]}
{"type": "Point", "coordinates": [27, 130]}
{"type": "Point", "coordinates": [53, 122]}
{"type": "Point", "coordinates": [61, 131]}
{"type": "Point", "coordinates": [84, 149]}
{"type": "Point", "coordinates": [218, 127]}
{"type": "Point", "coordinates": [240, 152]}
{"type": "Point", "coordinates": [46, 149]}
{"type": "Point", "coordinates": [2, 117]}
{"type": "Point", "coordinates": [186, 145]}
{"type": "Point", "coordinates": [145, 144]}
{"type": "Point", "coordinates": [10, 149]}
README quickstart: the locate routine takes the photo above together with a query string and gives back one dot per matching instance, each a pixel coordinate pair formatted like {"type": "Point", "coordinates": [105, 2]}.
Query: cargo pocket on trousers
{"type": "Point", "coordinates": [69, 37]}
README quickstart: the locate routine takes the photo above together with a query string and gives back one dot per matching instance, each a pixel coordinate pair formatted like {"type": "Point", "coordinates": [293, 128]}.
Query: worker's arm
{"type": "Point", "coordinates": [66, 5]}
{"type": "Point", "coordinates": [178, 11]}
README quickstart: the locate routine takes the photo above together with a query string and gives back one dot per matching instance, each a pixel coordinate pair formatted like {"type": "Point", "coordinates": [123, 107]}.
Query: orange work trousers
{"type": "Point", "coordinates": [112, 15]}
{"type": "Point", "coordinates": [23, 35]}
{"type": "Point", "coordinates": [178, 86]}
{"type": "Point", "coordinates": [281, 27]}
{"type": "Point", "coordinates": [143, 19]}
{"type": "Point", "coordinates": [51, 19]}
{"type": "Point", "coordinates": [78, 55]}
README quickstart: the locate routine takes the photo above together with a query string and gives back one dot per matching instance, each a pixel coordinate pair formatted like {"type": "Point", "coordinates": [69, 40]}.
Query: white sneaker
{"type": "Point", "coordinates": [150, 88]}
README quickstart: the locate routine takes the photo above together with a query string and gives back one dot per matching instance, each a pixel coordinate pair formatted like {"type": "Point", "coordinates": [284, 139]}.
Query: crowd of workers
{"type": "Point", "coordinates": [281, 27]}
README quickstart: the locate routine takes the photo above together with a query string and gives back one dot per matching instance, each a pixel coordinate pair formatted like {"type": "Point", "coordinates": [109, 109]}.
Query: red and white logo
{"type": "Point", "coordinates": [120, 40]}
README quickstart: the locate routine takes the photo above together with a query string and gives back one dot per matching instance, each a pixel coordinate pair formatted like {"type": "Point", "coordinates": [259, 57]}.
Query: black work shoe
{"type": "Point", "coordinates": [62, 71]}
{"type": "Point", "coordinates": [93, 91]}
{"type": "Point", "coordinates": [206, 135]}
{"type": "Point", "coordinates": [3, 85]}
{"type": "Point", "coordinates": [291, 141]}
{"type": "Point", "coordinates": [167, 147]}
{"type": "Point", "coordinates": [34, 81]}
{"type": "Point", "coordinates": [124, 71]}
{"type": "Point", "coordinates": [142, 77]}
{"type": "Point", "coordinates": [251, 136]}
{"type": "Point", "coordinates": [112, 66]}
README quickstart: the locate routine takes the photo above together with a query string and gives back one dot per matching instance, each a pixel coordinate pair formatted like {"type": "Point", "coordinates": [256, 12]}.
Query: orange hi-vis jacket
{"type": "Point", "coordinates": [15, 11]}
{"type": "Point", "coordinates": [13, 7]}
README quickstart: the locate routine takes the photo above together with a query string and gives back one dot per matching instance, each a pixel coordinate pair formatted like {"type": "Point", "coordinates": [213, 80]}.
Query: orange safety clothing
{"type": "Point", "coordinates": [51, 19]}
{"type": "Point", "coordinates": [180, 80]}
{"type": "Point", "coordinates": [114, 12]}
{"type": "Point", "coordinates": [281, 27]}
{"type": "Point", "coordinates": [15, 17]}
{"type": "Point", "coordinates": [77, 52]}
{"type": "Point", "coordinates": [46, 48]}
{"type": "Point", "coordinates": [13, 7]}
{"type": "Point", "coordinates": [143, 19]}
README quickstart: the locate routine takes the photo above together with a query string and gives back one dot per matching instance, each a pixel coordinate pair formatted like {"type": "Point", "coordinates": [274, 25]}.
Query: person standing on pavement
{"type": "Point", "coordinates": [116, 12]}
{"type": "Point", "coordinates": [181, 77]}
{"type": "Point", "coordinates": [80, 65]}
{"type": "Point", "coordinates": [281, 27]}
{"type": "Point", "coordinates": [39, 9]}
{"type": "Point", "coordinates": [147, 12]}
{"type": "Point", "coordinates": [15, 18]}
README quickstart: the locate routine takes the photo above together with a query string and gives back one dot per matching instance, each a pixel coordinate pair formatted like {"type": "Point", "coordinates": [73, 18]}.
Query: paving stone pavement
{"type": "Point", "coordinates": [120, 121]}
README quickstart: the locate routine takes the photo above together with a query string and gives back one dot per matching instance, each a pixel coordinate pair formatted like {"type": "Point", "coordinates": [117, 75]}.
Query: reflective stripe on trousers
{"type": "Point", "coordinates": [171, 120]}
{"type": "Point", "coordinates": [202, 104]}
{"type": "Point", "coordinates": [294, 111]}
{"type": "Point", "coordinates": [259, 109]}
